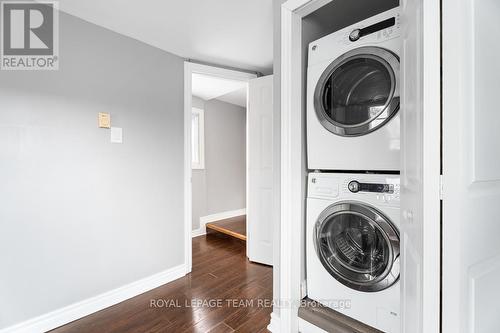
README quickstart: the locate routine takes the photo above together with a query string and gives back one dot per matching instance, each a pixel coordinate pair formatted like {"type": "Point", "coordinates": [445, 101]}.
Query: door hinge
{"type": "Point", "coordinates": [441, 187]}
{"type": "Point", "coordinates": [303, 289]}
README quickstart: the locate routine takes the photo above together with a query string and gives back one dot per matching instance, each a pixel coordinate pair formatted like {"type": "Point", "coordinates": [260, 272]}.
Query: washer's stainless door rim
{"type": "Point", "coordinates": [385, 64]}
{"type": "Point", "coordinates": [358, 246]}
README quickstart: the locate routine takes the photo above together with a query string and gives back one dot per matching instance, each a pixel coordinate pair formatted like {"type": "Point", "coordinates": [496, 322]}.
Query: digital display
{"type": "Point", "coordinates": [379, 188]}
{"type": "Point", "coordinates": [378, 26]}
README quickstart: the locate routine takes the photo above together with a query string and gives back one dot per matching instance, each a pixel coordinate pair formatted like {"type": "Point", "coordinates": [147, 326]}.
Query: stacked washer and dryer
{"type": "Point", "coordinates": [353, 148]}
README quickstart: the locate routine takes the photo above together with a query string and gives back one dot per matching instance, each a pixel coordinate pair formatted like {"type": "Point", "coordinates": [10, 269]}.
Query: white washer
{"type": "Point", "coordinates": [353, 84]}
{"type": "Point", "coordinates": [353, 246]}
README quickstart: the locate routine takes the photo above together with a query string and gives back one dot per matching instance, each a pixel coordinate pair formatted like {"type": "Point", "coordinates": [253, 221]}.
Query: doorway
{"type": "Point", "coordinates": [228, 158]}
{"type": "Point", "coordinates": [218, 150]}
{"type": "Point", "coordinates": [240, 247]}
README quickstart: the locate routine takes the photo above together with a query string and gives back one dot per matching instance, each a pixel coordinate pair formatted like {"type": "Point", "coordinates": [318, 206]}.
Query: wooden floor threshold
{"type": "Point", "coordinates": [234, 227]}
{"type": "Point", "coordinates": [331, 320]}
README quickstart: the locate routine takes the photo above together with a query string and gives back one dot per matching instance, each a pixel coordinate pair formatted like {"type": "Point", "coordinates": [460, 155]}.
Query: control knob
{"type": "Point", "coordinates": [353, 186]}
{"type": "Point", "coordinates": [355, 35]}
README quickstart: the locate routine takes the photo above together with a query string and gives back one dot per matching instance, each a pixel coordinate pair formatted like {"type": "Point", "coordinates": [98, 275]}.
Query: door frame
{"type": "Point", "coordinates": [285, 315]}
{"type": "Point", "coordinates": [285, 319]}
{"type": "Point", "coordinates": [190, 68]}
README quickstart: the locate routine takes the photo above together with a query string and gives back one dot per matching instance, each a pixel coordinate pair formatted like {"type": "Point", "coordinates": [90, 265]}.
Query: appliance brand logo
{"type": "Point", "coordinates": [29, 35]}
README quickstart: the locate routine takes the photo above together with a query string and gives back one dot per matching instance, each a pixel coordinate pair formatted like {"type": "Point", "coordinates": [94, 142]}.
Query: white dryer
{"type": "Point", "coordinates": [352, 246]}
{"type": "Point", "coordinates": [353, 83]}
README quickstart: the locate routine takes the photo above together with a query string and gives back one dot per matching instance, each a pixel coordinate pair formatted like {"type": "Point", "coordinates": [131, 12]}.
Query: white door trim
{"type": "Point", "coordinates": [189, 69]}
{"type": "Point", "coordinates": [431, 166]}
{"type": "Point", "coordinates": [292, 141]}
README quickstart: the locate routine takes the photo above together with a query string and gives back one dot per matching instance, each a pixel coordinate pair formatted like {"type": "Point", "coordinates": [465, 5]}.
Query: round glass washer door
{"type": "Point", "coordinates": [358, 246]}
{"type": "Point", "coordinates": [358, 92]}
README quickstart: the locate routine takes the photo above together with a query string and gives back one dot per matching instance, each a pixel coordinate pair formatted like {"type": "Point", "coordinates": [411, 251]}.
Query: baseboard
{"type": "Point", "coordinates": [274, 324]}
{"type": "Point", "coordinates": [84, 308]}
{"type": "Point", "coordinates": [198, 232]}
{"type": "Point", "coordinates": [216, 217]}
{"type": "Point", "coordinates": [221, 216]}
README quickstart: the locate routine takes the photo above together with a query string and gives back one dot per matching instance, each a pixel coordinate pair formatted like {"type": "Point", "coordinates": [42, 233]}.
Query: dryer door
{"type": "Point", "coordinates": [358, 246]}
{"type": "Point", "coordinates": [358, 92]}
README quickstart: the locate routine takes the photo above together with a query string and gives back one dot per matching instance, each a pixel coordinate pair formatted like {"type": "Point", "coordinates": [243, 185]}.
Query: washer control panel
{"type": "Point", "coordinates": [355, 187]}
{"type": "Point", "coordinates": [383, 189]}
{"type": "Point", "coordinates": [375, 188]}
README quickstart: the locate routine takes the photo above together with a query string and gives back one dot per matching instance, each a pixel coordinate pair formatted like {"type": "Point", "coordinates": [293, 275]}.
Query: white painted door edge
{"type": "Point", "coordinates": [292, 140]}
{"type": "Point", "coordinates": [216, 217]}
{"type": "Point", "coordinates": [91, 305]}
{"type": "Point", "coordinates": [420, 206]}
{"type": "Point", "coordinates": [261, 170]}
{"type": "Point", "coordinates": [189, 69]}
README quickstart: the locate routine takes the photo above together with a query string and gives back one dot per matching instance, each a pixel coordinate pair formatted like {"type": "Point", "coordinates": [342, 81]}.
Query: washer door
{"type": "Point", "coordinates": [358, 246]}
{"type": "Point", "coordinates": [358, 92]}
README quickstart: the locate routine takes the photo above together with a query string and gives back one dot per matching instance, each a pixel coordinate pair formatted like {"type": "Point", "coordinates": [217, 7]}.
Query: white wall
{"type": "Point", "coordinates": [80, 216]}
{"type": "Point", "coordinates": [221, 186]}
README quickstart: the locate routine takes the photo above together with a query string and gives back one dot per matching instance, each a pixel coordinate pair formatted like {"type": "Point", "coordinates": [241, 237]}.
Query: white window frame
{"type": "Point", "coordinates": [201, 139]}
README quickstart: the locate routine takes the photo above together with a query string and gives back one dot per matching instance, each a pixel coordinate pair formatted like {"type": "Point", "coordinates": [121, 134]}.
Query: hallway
{"type": "Point", "coordinates": [221, 272]}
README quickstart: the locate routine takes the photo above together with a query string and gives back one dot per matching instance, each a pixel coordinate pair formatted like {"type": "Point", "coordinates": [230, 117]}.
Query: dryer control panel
{"type": "Point", "coordinates": [381, 30]}
{"type": "Point", "coordinates": [374, 32]}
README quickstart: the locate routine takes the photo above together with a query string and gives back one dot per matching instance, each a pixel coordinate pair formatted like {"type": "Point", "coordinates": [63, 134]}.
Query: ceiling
{"type": "Point", "coordinates": [235, 33]}
{"type": "Point", "coordinates": [209, 87]}
{"type": "Point", "coordinates": [237, 97]}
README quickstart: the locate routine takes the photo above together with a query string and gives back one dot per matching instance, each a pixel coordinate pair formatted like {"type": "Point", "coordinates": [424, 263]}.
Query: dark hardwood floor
{"type": "Point", "coordinates": [240, 292]}
{"type": "Point", "coordinates": [234, 226]}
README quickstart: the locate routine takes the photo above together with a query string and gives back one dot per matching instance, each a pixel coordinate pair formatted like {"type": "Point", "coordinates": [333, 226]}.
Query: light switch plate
{"type": "Point", "coordinates": [104, 120]}
{"type": "Point", "coordinates": [116, 135]}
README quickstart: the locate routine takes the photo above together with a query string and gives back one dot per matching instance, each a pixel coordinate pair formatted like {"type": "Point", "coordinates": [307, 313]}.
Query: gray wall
{"type": "Point", "coordinates": [221, 186]}
{"type": "Point", "coordinates": [80, 216]}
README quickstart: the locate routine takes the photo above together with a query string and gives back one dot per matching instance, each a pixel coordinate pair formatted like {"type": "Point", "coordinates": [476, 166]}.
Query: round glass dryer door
{"type": "Point", "coordinates": [358, 92]}
{"type": "Point", "coordinates": [358, 246]}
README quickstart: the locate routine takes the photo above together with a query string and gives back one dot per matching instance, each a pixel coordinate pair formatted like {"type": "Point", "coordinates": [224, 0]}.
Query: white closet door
{"type": "Point", "coordinates": [420, 166]}
{"type": "Point", "coordinates": [260, 168]}
{"type": "Point", "coordinates": [471, 166]}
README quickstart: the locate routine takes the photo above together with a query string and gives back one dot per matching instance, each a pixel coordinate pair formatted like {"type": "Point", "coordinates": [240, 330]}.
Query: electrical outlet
{"type": "Point", "coordinates": [116, 135]}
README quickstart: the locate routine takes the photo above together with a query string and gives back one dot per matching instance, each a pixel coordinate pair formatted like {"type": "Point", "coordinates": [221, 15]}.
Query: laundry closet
{"type": "Point", "coordinates": [353, 163]}
{"type": "Point", "coordinates": [390, 206]}
{"type": "Point", "coordinates": [351, 159]}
